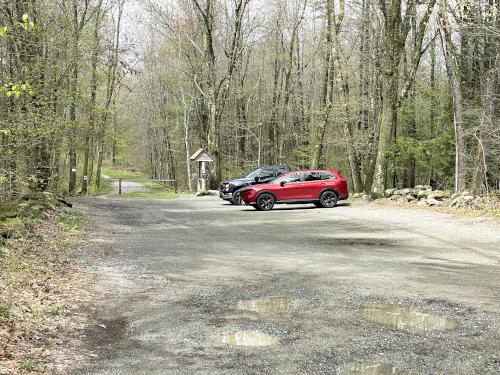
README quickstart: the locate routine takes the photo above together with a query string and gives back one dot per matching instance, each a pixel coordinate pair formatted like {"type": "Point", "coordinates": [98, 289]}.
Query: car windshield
{"type": "Point", "coordinates": [254, 173]}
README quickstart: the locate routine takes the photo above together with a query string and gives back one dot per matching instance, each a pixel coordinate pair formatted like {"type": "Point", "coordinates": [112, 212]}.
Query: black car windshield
{"type": "Point", "coordinates": [255, 173]}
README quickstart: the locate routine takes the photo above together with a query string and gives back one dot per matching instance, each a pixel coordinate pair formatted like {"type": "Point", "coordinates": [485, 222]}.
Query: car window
{"type": "Point", "coordinates": [313, 176]}
{"type": "Point", "coordinates": [254, 173]}
{"type": "Point", "coordinates": [327, 176]}
{"type": "Point", "coordinates": [266, 173]}
{"type": "Point", "coordinates": [295, 177]}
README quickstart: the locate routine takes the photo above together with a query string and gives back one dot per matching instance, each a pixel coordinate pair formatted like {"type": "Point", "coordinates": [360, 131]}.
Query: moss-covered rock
{"type": "Point", "coordinates": [46, 199]}
{"type": "Point", "coordinates": [10, 226]}
{"type": "Point", "coordinates": [8, 211]}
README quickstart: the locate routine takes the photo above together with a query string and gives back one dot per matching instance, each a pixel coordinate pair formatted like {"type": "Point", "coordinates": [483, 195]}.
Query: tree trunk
{"type": "Point", "coordinates": [319, 130]}
{"type": "Point", "coordinates": [72, 113]}
{"type": "Point", "coordinates": [386, 131]}
{"type": "Point", "coordinates": [453, 70]}
{"type": "Point", "coordinates": [480, 179]}
{"type": "Point", "coordinates": [273, 122]}
{"type": "Point", "coordinates": [93, 99]}
{"type": "Point", "coordinates": [410, 132]}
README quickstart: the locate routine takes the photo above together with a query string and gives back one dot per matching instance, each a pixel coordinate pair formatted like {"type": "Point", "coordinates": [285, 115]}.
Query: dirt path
{"type": "Point", "coordinates": [127, 186]}
{"type": "Point", "coordinates": [354, 290]}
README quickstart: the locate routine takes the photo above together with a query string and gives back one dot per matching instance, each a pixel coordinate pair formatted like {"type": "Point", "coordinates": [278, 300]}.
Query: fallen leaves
{"type": "Point", "coordinates": [44, 299]}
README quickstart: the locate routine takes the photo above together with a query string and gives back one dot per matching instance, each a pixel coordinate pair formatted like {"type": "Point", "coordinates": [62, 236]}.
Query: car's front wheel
{"type": "Point", "coordinates": [236, 200]}
{"type": "Point", "coordinates": [328, 199]}
{"type": "Point", "coordinates": [265, 202]}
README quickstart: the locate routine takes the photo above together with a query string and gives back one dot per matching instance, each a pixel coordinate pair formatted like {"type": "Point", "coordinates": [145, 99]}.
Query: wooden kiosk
{"type": "Point", "coordinates": [204, 159]}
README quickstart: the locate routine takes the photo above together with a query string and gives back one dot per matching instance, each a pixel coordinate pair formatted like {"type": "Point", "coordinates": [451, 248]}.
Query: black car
{"type": "Point", "coordinates": [230, 190]}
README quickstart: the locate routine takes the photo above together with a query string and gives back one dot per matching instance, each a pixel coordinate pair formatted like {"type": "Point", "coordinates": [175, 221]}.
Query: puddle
{"type": "Point", "coordinates": [406, 318]}
{"type": "Point", "coordinates": [249, 338]}
{"type": "Point", "coordinates": [271, 304]}
{"type": "Point", "coordinates": [370, 368]}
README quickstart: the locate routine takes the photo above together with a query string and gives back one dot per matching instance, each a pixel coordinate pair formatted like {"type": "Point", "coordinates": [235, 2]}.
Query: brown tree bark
{"type": "Point", "coordinates": [89, 132]}
{"type": "Point", "coordinates": [453, 71]}
{"type": "Point", "coordinates": [480, 179]}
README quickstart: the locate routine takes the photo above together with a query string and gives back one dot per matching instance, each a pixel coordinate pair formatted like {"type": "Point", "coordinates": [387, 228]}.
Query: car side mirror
{"type": "Point", "coordinates": [282, 183]}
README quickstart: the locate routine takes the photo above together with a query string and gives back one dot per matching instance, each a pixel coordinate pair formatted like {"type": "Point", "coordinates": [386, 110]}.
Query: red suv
{"type": "Point", "coordinates": [324, 188]}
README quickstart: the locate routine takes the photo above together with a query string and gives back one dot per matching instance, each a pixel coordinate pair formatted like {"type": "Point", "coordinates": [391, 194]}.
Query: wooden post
{"type": "Point", "coordinates": [202, 176]}
{"type": "Point", "coordinates": [120, 186]}
{"type": "Point", "coordinates": [176, 187]}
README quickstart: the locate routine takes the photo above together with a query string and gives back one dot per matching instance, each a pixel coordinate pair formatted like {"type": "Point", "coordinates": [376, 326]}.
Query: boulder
{"type": "Point", "coordinates": [357, 195]}
{"type": "Point", "coordinates": [462, 201]}
{"type": "Point", "coordinates": [422, 203]}
{"type": "Point", "coordinates": [395, 197]}
{"type": "Point", "coordinates": [366, 197]}
{"type": "Point", "coordinates": [389, 192]}
{"type": "Point", "coordinates": [440, 194]}
{"type": "Point", "coordinates": [406, 191]}
{"type": "Point", "coordinates": [202, 193]}
{"type": "Point", "coordinates": [432, 202]}
{"type": "Point", "coordinates": [419, 187]}
{"type": "Point", "coordinates": [421, 194]}
{"type": "Point", "coordinates": [414, 192]}
{"type": "Point", "coordinates": [410, 198]}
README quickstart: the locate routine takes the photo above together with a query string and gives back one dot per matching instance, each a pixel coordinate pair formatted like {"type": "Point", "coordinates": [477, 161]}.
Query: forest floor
{"type": "Point", "coordinates": [45, 297]}
{"type": "Point", "coordinates": [195, 285]}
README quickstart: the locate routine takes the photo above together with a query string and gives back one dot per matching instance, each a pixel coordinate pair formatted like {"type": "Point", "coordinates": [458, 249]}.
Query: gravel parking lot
{"type": "Point", "coordinates": [196, 285]}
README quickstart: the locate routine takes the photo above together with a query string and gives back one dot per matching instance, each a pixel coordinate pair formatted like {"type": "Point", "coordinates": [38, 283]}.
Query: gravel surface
{"type": "Point", "coordinates": [179, 278]}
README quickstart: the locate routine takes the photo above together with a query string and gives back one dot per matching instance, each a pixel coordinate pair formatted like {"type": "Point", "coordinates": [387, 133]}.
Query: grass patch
{"type": "Point", "coordinates": [56, 310]}
{"type": "Point", "coordinates": [154, 191]}
{"type": "Point", "coordinates": [471, 213]}
{"type": "Point", "coordinates": [4, 310]}
{"type": "Point", "coordinates": [106, 188]}
{"type": "Point", "coordinates": [29, 366]}
{"type": "Point", "coordinates": [155, 187]}
{"type": "Point", "coordinates": [116, 173]}
{"type": "Point", "coordinates": [72, 221]}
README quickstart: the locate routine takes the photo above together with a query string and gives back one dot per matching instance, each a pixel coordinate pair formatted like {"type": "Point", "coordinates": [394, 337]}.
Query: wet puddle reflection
{"type": "Point", "coordinates": [249, 338]}
{"type": "Point", "coordinates": [406, 318]}
{"type": "Point", "coordinates": [370, 368]}
{"type": "Point", "coordinates": [271, 304]}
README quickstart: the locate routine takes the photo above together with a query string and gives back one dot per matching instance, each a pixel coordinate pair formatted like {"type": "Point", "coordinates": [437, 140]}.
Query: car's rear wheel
{"type": "Point", "coordinates": [328, 199]}
{"type": "Point", "coordinates": [236, 200]}
{"type": "Point", "coordinates": [265, 202]}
